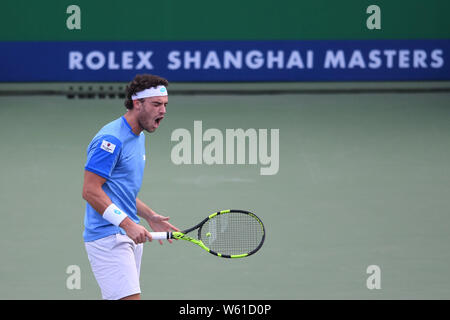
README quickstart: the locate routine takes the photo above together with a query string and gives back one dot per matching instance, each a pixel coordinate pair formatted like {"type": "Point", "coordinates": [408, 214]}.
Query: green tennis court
{"type": "Point", "coordinates": [364, 179]}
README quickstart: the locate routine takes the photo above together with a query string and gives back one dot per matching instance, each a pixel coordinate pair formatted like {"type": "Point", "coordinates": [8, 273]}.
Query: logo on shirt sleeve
{"type": "Point", "coordinates": [108, 146]}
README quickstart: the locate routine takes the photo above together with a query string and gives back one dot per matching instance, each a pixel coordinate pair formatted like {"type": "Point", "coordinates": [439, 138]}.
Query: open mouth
{"type": "Point", "coordinates": [158, 120]}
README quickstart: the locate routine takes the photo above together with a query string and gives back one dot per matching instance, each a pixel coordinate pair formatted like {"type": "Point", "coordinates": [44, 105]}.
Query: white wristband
{"type": "Point", "coordinates": [114, 215]}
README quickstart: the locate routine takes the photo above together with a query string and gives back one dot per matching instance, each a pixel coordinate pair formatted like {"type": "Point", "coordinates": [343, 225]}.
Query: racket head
{"type": "Point", "coordinates": [232, 233]}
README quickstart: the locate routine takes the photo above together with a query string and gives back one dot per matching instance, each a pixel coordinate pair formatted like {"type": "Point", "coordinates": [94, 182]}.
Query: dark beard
{"type": "Point", "coordinates": [142, 126]}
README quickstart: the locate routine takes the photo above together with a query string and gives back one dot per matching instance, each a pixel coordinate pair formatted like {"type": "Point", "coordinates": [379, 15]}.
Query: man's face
{"type": "Point", "coordinates": [151, 112]}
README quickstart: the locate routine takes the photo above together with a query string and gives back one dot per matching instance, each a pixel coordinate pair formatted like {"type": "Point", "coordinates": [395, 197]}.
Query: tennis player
{"type": "Point", "coordinates": [112, 180]}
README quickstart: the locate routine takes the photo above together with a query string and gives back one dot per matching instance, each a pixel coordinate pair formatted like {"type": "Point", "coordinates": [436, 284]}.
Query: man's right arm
{"type": "Point", "coordinates": [99, 200]}
{"type": "Point", "coordinates": [93, 192]}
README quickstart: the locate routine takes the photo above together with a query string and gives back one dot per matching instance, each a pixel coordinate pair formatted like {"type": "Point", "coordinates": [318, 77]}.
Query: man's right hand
{"type": "Point", "coordinates": [135, 231]}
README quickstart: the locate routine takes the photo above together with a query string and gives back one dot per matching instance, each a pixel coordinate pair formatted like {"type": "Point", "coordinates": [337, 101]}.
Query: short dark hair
{"type": "Point", "coordinates": [142, 82]}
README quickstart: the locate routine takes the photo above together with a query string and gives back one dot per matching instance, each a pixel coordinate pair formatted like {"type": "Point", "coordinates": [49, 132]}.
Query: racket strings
{"type": "Point", "coordinates": [232, 233]}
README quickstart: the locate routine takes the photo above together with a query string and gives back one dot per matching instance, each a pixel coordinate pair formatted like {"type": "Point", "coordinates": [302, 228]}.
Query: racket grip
{"type": "Point", "coordinates": [160, 235]}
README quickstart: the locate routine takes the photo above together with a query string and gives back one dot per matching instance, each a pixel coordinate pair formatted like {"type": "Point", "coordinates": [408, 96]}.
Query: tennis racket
{"type": "Point", "coordinates": [226, 234]}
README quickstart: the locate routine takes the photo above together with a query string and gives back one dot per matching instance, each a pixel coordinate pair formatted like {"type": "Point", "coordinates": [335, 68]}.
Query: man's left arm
{"type": "Point", "coordinates": [157, 222]}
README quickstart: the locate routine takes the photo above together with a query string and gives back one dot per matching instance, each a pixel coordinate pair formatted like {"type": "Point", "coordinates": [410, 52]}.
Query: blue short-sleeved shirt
{"type": "Point", "coordinates": [118, 155]}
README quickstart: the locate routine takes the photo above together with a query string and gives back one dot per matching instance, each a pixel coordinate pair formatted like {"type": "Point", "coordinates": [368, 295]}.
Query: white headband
{"type": "Point", "coordinates": [159, 91]}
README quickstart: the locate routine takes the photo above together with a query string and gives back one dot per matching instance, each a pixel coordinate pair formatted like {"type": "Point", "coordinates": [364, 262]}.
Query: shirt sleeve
{"type": "Point", "coordinates": [103, 154]}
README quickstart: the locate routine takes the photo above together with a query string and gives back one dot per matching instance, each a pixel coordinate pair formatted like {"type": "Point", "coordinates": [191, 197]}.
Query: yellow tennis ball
{"type": "Point", "coordinates": [208, 234]}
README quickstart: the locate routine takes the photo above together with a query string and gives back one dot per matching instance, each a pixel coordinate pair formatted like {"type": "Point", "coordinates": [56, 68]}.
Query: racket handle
{"type": "Point", "coordinates": [160, 235]}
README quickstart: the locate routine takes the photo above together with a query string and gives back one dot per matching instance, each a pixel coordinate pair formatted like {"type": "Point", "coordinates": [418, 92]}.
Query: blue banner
{"type": "Point", "coordinates": [217, 61]}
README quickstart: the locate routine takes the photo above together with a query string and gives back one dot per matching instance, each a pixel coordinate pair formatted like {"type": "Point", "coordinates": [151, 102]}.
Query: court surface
{"type": "Point", "coordinates": [364, 179]}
